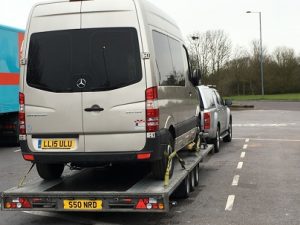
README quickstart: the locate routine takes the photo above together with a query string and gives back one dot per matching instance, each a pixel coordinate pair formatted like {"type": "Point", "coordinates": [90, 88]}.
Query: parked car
{"type": "Point", "coordinates": [105, 81]}
{"type": "Point", "coordinates": [216, 116]}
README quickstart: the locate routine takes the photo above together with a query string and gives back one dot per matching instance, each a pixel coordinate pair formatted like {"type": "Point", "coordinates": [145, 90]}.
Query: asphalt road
{"type": "Point", "coordinates": [254, 180]}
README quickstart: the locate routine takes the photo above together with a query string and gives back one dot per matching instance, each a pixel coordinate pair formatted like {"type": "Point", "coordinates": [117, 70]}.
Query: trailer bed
{"type": "Point", "coordinates": [102, 189]}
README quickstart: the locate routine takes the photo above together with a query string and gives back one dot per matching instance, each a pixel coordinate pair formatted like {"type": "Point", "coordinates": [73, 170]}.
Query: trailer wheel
{"type": "Point", "coordinates": [49, 171]}
{"type": "Point", "coordinates": [183, 190]}
{"type": "Point", "coordinates": [196, 174]}
{"type": "Point", "coordinates": [159, 167]}
{"type": "Point", "coordinates": [192, 180]}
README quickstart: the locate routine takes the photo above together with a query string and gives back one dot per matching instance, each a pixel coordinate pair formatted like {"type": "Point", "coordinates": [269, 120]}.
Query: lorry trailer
{"type": "Point", "coordinates": [112, 189]}
{"type": "Point", "coordinates": [10, 45]}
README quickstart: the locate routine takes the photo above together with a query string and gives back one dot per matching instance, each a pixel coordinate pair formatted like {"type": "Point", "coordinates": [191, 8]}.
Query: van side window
{"type": "Point", "coordinates": [169, 60]}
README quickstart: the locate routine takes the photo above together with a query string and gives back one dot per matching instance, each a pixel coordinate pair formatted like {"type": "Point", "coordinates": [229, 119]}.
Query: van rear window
{"type": "Point", "coordinates": [106, 58]}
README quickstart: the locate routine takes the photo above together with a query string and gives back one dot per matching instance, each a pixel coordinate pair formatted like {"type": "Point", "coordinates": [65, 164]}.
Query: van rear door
{"type": "Point", "coordinates": [114, 97]}
{"type": "Point", "coordinates": [53, 104]}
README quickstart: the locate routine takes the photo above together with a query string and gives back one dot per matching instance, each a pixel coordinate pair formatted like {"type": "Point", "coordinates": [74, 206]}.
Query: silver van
{"type": "Point", "coordinates": [104, 81]}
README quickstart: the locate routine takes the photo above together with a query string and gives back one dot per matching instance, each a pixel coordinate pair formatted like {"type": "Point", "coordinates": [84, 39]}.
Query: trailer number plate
{"type": "Point", "coordinates": [57, 144]}
{"type": "Point", "coordinates": [83, 204]}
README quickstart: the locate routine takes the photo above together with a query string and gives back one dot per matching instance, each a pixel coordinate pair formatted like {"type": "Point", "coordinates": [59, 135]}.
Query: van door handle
{"type": "Point", "coordinates": [94, 108]}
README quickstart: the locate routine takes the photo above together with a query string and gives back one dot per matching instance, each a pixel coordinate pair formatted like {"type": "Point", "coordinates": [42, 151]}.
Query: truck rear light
{"type": "Point", "coordinates": [28, 157]}
{"type": "Point", "coordinates": [206, 120]}
{"type": "Point", "coordinates": [22, 124]}
{"type": "Point", "coordinates": [152, 110]}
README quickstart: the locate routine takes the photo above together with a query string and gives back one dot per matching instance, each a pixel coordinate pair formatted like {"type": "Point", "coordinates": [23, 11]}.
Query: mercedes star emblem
{"type": "Point", "coordinates": [81, 83]}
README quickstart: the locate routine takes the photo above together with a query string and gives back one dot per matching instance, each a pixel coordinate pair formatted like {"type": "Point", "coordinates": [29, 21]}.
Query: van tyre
{"type": "Point", "coordinates": [216, 141]}
{"type": "Point", "coordinates": [50, 171]}
{"type": "Point", "coordinates": [228, 137]}
{"type": "Point", "coordinates": [184, 188]}
{"type": "Point", "coordinates": [159, 167]}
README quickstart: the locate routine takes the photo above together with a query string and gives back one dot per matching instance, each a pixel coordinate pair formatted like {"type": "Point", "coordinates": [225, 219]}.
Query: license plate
{"type": "Point", "coordinates": [83, 204]}
{"type": "Point", "coordinates": [57, 144]}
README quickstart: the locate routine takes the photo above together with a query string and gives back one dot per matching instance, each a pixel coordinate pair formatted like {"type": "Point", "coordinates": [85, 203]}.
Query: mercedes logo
{"type": "Point", "coordinates": [81, 83]}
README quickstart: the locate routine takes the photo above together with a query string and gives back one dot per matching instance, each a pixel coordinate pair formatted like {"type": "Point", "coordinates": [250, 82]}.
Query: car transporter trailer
{"type": "Point", "coordinates": [108, 189]}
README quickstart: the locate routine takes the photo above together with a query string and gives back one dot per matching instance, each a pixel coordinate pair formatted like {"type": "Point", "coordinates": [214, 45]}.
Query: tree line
{"type": "Point", "coordinates": [237, 72]}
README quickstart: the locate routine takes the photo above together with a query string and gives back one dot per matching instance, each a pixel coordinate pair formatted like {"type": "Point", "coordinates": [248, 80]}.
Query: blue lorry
{"type": "Point", "coordinates": [10, 45]}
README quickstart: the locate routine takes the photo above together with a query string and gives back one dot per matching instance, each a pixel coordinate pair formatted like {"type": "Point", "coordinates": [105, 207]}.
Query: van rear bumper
{"type": "Point", "coordinates": [154, 146]}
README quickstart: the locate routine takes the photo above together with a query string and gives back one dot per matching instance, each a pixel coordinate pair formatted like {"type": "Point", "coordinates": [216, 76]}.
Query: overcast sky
{"type": "Point", "coordinates": [280, 18]}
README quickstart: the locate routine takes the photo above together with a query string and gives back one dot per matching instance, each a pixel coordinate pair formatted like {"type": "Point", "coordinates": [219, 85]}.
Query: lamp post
{"type": "Point", "coordinates": [194, 38]}
{"type": "Point", "coordinates": [261, 55]}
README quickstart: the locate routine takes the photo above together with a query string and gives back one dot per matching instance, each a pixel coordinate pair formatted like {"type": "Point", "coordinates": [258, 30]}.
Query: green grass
{"type": "Point", "coordinates": [276, 97]}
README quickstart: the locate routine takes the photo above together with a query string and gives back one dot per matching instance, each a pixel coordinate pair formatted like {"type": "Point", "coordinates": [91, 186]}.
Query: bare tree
{"type": "Point", "coordinates": [210, 50]}
{"type": "Point", "coordinates": [199, 48]}
{"type": "Point", "coordinates": [219, 49]}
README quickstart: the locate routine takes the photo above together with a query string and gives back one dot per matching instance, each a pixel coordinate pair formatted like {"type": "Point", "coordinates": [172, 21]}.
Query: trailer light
{"type": "Point", "coordinates": [19, 205]}
{"type": "Point", "coordinates": [26, 203]}
{"type": "Point", "coordinates": [7, 205]}
{"type": "Point", "coordinates": [140, 204]}
{"type": "Point", "coordinates": [142, 156]}
{"type": "Point", "coordinates": [149, 206]}
{"type": "Point", "coordinates": [161, 206]}
{"type": "Point", "coordinates": [28, 157]}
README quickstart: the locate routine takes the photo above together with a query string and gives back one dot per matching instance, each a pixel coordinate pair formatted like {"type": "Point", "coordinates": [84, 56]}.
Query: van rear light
{"type": "Point", "coordinates": [142, 156]}
{"type": "Point", "coordinates": [22, 125]}
{"type": "Point", "coordinates": [152, 110]}
{"type": "Point", "coordinates": [206, 120]}
{"type": "Point", "coordinates": [28, 157]}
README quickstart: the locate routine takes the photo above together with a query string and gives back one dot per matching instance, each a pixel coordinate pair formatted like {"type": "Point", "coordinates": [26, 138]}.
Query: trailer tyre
{"type": "Point", "coordinates": [192, 180]}
{"type": "Point", "coordinates": [184, 188]}
{"type": "Point", "coordinates": [197, 174]}
{"type": "Point", "coordinates": [159, 167]}
{"type": "Point", "coordinates": [50, 171]}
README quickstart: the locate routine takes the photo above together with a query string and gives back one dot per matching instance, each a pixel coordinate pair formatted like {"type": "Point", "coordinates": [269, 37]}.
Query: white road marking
{"type": "Point", "coordinates": [269, 139]}
{"type": "Point", "coordinates": [229, 204]}
{"type": "Point", "coordinates": [247, 140]}
{"type": "Point", "coordinates": [243, 154]}
{"type": "Point", "coordinates": [245, 146]}
{"type": "Point", "coordinates": [235, 180]}
{"type": "Point", "coordinates": [240, 165]}
{"type": "Point", "coordinates": [18, 150]}
{"type": "Point", "coordinates": [264, 125]}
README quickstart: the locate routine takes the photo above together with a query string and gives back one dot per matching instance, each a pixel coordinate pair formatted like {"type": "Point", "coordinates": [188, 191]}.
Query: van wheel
{"type": "Point", "coordinates": [159, 167]}
{"type": "Point", "coordinates": [228, 137]}
{"type": "Point", "coordinates": [184, 188]}
{"type": "Point", "coordinates": [50, 171]}
{"type": "Point", "coordinates": [216, 141]}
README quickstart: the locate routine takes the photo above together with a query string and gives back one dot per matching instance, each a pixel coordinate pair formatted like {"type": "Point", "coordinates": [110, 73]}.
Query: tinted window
{"type": "Point", "coordinates": [218, 98]}
{"type": "Point", "coordinates": [169, 60]}
{"type": "Point", "coordinates": [207, 94]}
{"type": "Point", "coordinates": [106, 58]}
